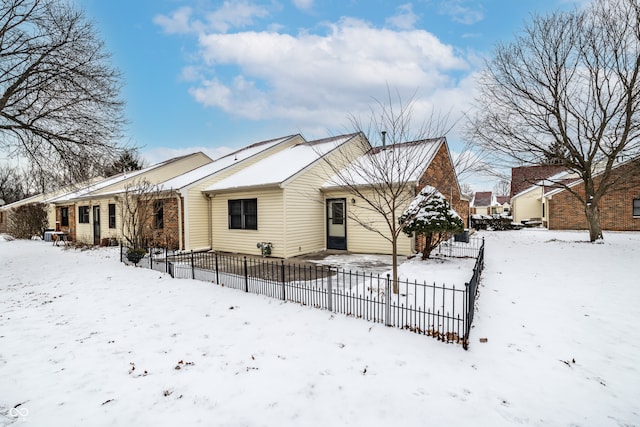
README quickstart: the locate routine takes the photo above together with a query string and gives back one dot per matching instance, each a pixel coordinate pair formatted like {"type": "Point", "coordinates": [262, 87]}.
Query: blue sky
{"type": "Point", "coordinates": [212, 75]}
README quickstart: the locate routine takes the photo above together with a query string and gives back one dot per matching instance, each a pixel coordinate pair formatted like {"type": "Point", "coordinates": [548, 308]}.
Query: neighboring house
{"type": "Point", "coordinates": [525, 177]}
{"type": "Point", "coordinates": [481, 203]}
{"type": "Point", "coordinates": [528, 205]}
{"type": "Point", "coordinates": [6, 210]}
{"type": "Point", "coordinates": [619, 208]}
{"type": "Point", "coordinates": [486, 203]}
{"type": "Point", "coordinates": [343, 232]}
{"type": "Point", "coordinates": [94, 212]}
{"type": "Point", "coordinates": [504, 203]}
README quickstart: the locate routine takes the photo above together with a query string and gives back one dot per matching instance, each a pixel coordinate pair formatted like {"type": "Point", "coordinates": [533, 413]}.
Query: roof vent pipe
{"type": "Point", "coordinates": [384, 139]}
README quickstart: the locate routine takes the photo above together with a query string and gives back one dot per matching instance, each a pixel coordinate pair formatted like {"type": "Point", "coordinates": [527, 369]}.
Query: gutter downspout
{"type": "Point", "coordinates": [209, 221]}
{"type": "Point", "coordinates": [180, 237]}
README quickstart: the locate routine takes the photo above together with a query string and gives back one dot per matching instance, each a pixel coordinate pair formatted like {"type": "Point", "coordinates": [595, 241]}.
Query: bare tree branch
{"type": "Point", "coordinates": [567, 89]}
{"type": "Point", "coordinates": [59, 94]}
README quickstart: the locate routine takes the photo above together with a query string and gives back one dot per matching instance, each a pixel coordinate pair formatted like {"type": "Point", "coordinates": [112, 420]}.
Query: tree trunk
{"type": "Point", "coordinates": [593, 218]}
{"type": "Point", "coordinates": [394, 263]}
{"type": "Point", "coordinates": [428, 246]}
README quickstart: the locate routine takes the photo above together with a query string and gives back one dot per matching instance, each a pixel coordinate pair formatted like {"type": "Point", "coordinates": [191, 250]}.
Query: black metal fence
{"type": "Point", "coordinates": [441, 311]}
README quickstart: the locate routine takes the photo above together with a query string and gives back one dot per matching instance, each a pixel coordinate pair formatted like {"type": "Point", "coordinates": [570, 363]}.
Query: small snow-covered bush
{"type": "Point", "coordinates": [135, 255]}
{"type": "Point", "coordinates": [429, 215]}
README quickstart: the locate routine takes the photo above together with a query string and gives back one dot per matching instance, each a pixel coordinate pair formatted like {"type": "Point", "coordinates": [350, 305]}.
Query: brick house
{"type": "Point", "coordinates": [619, 208]}
{"type": "Point", "coordinates": [529, 184]}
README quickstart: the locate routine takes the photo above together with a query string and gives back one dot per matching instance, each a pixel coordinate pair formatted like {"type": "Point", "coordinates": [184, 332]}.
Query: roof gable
{"type": "Point", "coordinates": [482, 198]}
{"type": "Point", "coordinates": [224, 162]}
{"type": "Point", "coordinates": [115, 184]}
{"type": "Point", "coordinates": [282, 166]}
{"type": "Point", "coordinates": [416, 157]}
{"type": "Point", "coordinates": [523, 177]}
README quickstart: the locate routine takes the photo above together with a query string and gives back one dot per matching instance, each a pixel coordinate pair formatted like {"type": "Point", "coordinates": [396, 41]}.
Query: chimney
{"type": "Point", "coordinates": [384, 139]}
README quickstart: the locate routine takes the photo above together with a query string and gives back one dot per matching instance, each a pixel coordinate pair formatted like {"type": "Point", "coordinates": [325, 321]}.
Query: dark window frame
{"type": "Point", "coordinates": [337, 213]}
{"type": "Point", "coordinates": [64, 216]}
{"type": "Point", "coordinates": [243, 214]}
{"type": "Point", "coordinates": [636, 208]}
{"type": "Point", "coordinates": [112, 215]}
{"type": "Point", "coordinates": [83, 214]}
{"type": "Point", "coordinates": [158, 214]}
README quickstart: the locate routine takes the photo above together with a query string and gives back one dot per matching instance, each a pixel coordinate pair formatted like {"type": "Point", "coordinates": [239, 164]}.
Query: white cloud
{"type": "Point", "coordinates": [460, 12]}
{"type": "Point", "coordinates": [235, 15]}
{"type": "Point", "coordinates": [178, 22]}
{"type": "Point", "coordinates": [404, 19]}
{"type": "Point", "coordinates": [305, 5]}
{"type": "Point", "coordinates": [312, 78]}
{"type": "Point", "coordinates": [231, 14]}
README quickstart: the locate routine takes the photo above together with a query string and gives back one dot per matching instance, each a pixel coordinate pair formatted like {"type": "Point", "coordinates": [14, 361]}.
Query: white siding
{"type": "Point", "coordinates": [270, 223]}
{"type": "Point", "coordinates": [84, 232]}
{"type": "Point", "coordinates": [361, 240]}
{"type": "Point", "coordinates": [527, 205]}
{"type": "Point", "coordinates": [197, 221]}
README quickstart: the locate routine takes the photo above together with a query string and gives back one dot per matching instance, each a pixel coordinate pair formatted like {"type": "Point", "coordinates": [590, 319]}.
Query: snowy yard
{"type": "Point", "coordinates": [85, 340]}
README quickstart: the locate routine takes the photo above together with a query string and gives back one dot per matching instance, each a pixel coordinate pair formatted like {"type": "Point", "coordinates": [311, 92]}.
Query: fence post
{"type": "Point", "coordinates": [329, 291]}
{"type": "Point", "coordinates": [121, 247]}
{"type": "Point", "coordinates": [284, 295]}
{"type": "Point", "coordinates": [217, 277]}
{"type": "Point", "coordinates": [193, 267]}
{"type": "Point", "coordinates": [246, 276]}
{"type": "Point", "coordinates": [467, 311]}
{"type": "Point", "coordinates": [151, 259]}
{"type": "Point", "coordinates": [387, 305]}
{"type": "Point", "coordinates": [166, 259]}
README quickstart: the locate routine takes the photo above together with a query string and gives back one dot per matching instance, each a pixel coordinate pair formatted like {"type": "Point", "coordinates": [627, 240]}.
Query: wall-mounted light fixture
{"type": "Point", "coordinates": [353, 201]}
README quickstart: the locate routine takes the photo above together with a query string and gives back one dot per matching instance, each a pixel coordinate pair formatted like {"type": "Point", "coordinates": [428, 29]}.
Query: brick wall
{"type": "Point", "coordinates": [168, 235]}
{"type": "Point", "coordinates": [69, 229]}
{"type": "Point", "coordinates": [441, 175]}
{"type": "Point", "coordinates": [567, 213]}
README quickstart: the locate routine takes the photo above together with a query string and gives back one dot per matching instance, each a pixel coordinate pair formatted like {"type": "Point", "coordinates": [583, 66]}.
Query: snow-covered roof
{"type": "Point", "coordinates": [414, 158]}
{"type": "Point", "coordinates": [93, 187]}
{"type": "Point", "coordinates": [220, 164]}
{"type": "Point", "coordinates": [552, 181]}
{"type": "Point", "coordinates": [88, 190]}
{"type": "Point", "coordinates": [280, 166]}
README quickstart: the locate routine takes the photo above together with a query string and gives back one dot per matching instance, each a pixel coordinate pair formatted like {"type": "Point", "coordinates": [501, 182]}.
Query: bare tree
{"type": "Point", "coordinates": [140, 206]}
{"type": "Point", "coordinates": [566, 91]}
{"type": "Point", "coordinates": [129, 160]}
{"type": "Point", "coordinates": [467, 189]}
{"type": "Point", "coordinates": [11, 185]}
{"type": "Point", "coordinates": [502, 187]}
{"type": "Point", "coordinates": [59, 94]}
{"type": "Point", "coordinates": [385, 177]}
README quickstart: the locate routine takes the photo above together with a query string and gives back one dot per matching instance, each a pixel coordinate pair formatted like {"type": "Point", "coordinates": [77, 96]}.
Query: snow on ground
{"type": "Point", "coordinates": [85, 340]}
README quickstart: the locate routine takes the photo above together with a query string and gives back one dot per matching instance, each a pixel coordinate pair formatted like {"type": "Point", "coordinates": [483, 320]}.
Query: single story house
{"type": "Point", "coordinates": [279, 192]}
{"type": "Point", "coordinates": [619, 208]}
{"type": "Point", "coordinates": [94, 212]}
